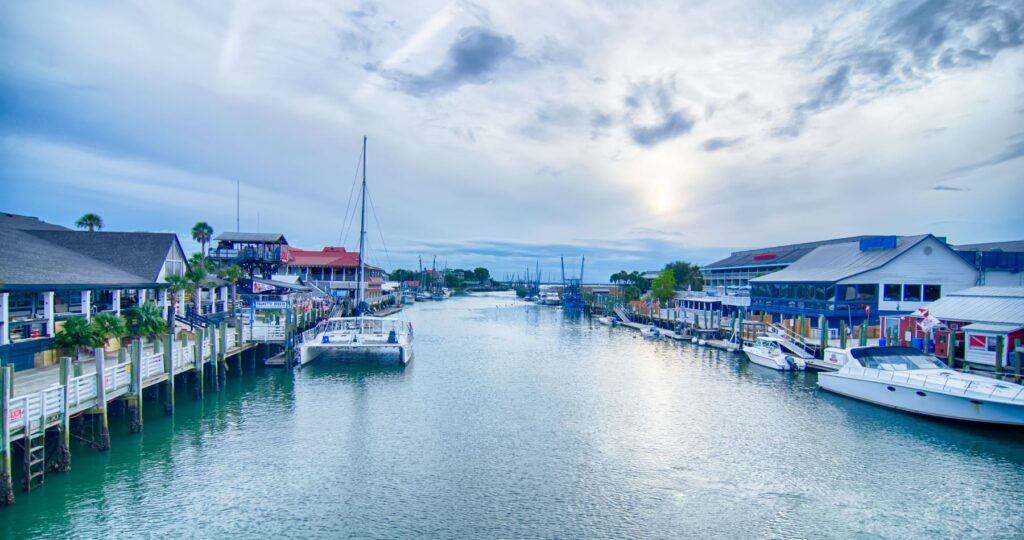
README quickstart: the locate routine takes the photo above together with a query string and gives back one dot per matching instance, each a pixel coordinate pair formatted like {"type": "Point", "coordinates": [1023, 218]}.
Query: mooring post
{"type": "Point", "coordinates": [999, 356]}
{"type": "Point", "coordinates": [6, 487]}
{"type": "Point", "coordinates": [823, 338]}
{"type": "Point", "coordinates": [951, 349]}
{"type": "Point", "coordinates": [864, 333]}
{"type": "Point", "coordinates": [136, 400]}
{"type": "Point", "coordinates": [103, 443]}
{"type": "Point", "coordinates": [223, 348]}
{"type": "Point", "coordinates": [1016, 358]}
{"type": "Point", "coordinates": [62, 461]}
{"type": "Point", "coordinates": [199, 364]}
{"type": "Point", "coordinates": [842, 334]}
{"type": "Point", "coordinates": [168, 388]}
{"type": "Point", "coordinates": [214, 356]}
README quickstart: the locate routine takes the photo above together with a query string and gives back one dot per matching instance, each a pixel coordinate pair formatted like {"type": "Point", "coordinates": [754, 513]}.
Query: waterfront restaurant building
{"type": "Point", "coordinates": [333, 269]}
{"type": "Point", "coordinates": [49, 273]}
{"type": "Point", "coordinates": [863, 279]}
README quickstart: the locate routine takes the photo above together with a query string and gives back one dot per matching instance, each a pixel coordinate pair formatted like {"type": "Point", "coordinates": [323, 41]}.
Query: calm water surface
{"type": "Point", "coordinates": [514, 421]}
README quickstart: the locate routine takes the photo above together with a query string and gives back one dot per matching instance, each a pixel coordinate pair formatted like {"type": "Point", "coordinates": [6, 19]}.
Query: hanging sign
{"type": "Point", "coordinates": [270, 304]}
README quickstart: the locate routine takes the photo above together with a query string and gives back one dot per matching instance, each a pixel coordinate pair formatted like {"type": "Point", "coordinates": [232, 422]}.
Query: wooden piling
{"type": "Point", "coordinates": [6, 486]}
{"type": "Point", "coordinates": [1016, 358]}
{"type": "Point", "coordinates": [168, 389]}
{"type": "Point", "coordinates": [214, 364]}
{"type": "Point", "coordinates": [823, 338]}
{"type": "Point", "coordinates": [842, 334]}
{"type": "Point", "coordinates": [62, 460]}
{"type": "Point", "coordinates": [952, 349]}
{"type": "Point", "coordinates": [999, 355]}
{"type": "Point", "coordinates": [100, 411]}
{"type": "Point", "coordinates": [135, 398]}
{"type": "Point", "coordinates": [863, 334]}
{"type": "Point", "coordinates": [197, 373]}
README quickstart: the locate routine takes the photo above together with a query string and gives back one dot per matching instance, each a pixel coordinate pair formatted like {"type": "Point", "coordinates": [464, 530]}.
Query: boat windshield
{"type": "Point", "coordinates": [896, 359]}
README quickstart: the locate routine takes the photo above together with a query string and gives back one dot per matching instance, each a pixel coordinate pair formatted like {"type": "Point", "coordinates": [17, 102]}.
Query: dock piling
{"type": "Point", "coordinates": [197, 373]}
{"type": "Point", "coordinates": [6, 486]}
{"type": "Point", "coordinates": [168, 385]}
{"type": "Point", "coordinates": [135, 398]}
{"type": "Point", "coordinates": [100, 411]}
{"type": "Point", "coordinates": [999, 356]}
{"type": "Point", "coordinates": [62, 460]}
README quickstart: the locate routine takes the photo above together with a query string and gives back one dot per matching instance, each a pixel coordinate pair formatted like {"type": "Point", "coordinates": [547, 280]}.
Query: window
{"type": "Point", "coordinates": [847, 293]}
{"type": "Point", "coordinates": [911, 293]}
{"type": "Point", "coordinates": [932, 292]}
{"type": "Point", "coordinates": [891, 292]}
{"type": "Point", "coordinates": [867, 292]}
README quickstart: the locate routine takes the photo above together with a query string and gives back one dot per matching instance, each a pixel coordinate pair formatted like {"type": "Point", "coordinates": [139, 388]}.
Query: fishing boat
{"type": "Point", "coordinates": [907, 379]}
{"type": "Point", "coordinates": [386, 340]}
{"type": "Point", "coordinates": [767, 352]}
{"type": "Point", "coordinates": [423, 296]}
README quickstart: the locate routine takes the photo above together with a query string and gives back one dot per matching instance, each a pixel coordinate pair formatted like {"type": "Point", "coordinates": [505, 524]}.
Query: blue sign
{"type": "Point", "coordinates": [878, 244]}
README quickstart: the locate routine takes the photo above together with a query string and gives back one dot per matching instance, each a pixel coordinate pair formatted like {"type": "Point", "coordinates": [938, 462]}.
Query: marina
{"type": "Point", "coordinates": [581, 426]}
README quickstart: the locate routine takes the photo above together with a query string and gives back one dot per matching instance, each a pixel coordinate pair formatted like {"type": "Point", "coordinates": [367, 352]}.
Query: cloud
{"type": "Point", "coordinates": [948, 188]}
{"type": "Point", "coordinates": [652, 115]}
{"type": "Point", "coordinates": [715, 144]}
{"type": "Point", "coordinates": [1011, 152]}
{"type": "Point", "coordinates": [472, 58]}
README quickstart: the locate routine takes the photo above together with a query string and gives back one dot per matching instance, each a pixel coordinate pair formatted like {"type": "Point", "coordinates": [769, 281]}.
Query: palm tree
{"type": "Point", "coordinates": [108, 326]}
{"type": "Point", "coordinates": [175, 285]}
{"type": "Point", "coordinates": [146, 321]}
{"type": "Point", "coordinates": [77, 333]}
{"type": "Point", "coordinates": [232, 274]}
{"type": "Point", "coordinates": [201, 232]}
{"type": "Point", "coordinates": [199, 268]}
{"type": "Point", "coordinates": [90, 221]}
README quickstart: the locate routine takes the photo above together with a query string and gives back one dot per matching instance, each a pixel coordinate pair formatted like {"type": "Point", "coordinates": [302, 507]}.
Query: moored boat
{"type": "Point", "coordinates": [766, 351]}
{"type": "Point", "coordinates": [909, 380]}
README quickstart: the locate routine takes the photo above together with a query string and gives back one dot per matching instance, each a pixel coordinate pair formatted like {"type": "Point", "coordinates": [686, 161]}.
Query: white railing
{"type": "Point", "coordinates": [206, 348]}
{"type": "Point", "coordinates": [231, 340]}
{"type": "Point", "coordinates": [183, 358]}
{"type": "Point", "coordinates": [944, 382]}
{"type": "Point", "coordinates": [81, 389]}
{"type": "Point", "coordinates": [151, 364]}
{"type": "Point", "coordinates": [118, 376]}
{"type": "Point", "coordinates": [38, 407]}
{"type": "Point", "coordinates": [267, 332]}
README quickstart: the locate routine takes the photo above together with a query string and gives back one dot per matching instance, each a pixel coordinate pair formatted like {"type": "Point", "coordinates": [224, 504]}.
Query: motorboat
{"type": "Point", "coordinates": [608, 321]}
{"type": "Point", "coordinates": [423, 296]}
{"type": "Point", "coordinates": [768, 352]}
{"type": "Point", "coordinates": [907, 379]}
{"type": "Point", "coordinates": [385, 340]}
{"type": "Point", "coordinates": [550, 298]}
{"type": "Point", "coordinates": [650, 332]}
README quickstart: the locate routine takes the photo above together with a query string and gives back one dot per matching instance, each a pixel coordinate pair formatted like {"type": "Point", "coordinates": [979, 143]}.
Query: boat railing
{"type": "Point", "coordinates": [943, 383]}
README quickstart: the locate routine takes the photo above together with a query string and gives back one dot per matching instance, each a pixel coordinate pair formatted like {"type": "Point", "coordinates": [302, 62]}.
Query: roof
{"type": "Point", "coordinates": [27, 223]}
{"type": "Point", "coordinates": [834, 262]}
{"type": "Point", "coordinates": [139, 253]}
{"type": "Point", "coordinates": [994, 328]}
{"type": "Point", "coordinates": [330, 256]}
{"type": "Point", "coordinates": [1001, 305]}
{"type": "Point", "coordinates": [1010, 246]}
{"type": "Point", "coordinates": [774, 256]}
{"type": "Point", "coordinates": [32, 263]}
{"type": "Point", "coordinates": [262, 238]}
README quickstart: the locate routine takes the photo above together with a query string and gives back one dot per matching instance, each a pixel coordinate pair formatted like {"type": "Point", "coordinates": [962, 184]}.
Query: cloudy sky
{"type": "Point", "coordinates": [633, 133]}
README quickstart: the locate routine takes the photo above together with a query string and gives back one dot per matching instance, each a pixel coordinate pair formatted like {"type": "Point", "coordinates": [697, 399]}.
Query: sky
{"type": "Point", "coordinates": [508, 133]}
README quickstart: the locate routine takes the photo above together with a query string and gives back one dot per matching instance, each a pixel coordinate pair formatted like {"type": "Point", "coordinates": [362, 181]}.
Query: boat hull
{"type": "Point", "coordinates": [766, 361]}
{"type": "Point", "coordinates": [924, 401]}
{"type": "Point", "coordinates": [389, 354]}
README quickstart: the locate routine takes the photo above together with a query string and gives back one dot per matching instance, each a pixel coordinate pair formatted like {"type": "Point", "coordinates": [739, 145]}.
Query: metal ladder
{"type": "Point", "coordinates": [35, 456]}
{"type": "Point", "coordinates": [795, 341]}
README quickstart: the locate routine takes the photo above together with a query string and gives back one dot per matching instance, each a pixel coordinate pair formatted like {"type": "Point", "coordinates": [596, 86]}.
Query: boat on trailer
{"type": "Point", "coordinates": [907, 379]}
{"type": "Point", "coordinates": [384, 340]}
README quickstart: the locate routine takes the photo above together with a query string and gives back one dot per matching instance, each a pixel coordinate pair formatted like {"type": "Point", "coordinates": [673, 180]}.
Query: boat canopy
{"type": "Point", "coordinates": [895, 358]}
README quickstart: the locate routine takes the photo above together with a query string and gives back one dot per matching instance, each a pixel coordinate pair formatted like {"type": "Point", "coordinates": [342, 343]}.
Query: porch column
{"type": "Point", "coordinates": [199, 301]}
{"type": "Point", "coordinates": [5, 319]}
{"type": "Point", "coordinates": [87, 305]}
{"type": "Point", "coordinates": [140, 297]}
{"type": "Point", "coordinates": [163, 302]}
{"type": "Point", "coordinates": [48, 311]}
{"type": "Point", "coordinates": [180, 307]}
{"type": "Point", "coordinates": [116, 295]}
{"type": "Point", "coordinates": [224, 299]}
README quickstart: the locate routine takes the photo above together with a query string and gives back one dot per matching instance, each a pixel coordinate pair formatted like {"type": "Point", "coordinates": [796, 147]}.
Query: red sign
{"type": "Point", "coordinates": [15, 414]}
{"type": "Point", "coordinates": [978, 342]}
{"type": "Point", "coordinates": [764, 256]}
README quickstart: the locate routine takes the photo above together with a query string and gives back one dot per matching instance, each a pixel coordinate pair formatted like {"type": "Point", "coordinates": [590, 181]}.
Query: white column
{"type": "Point", "coordinates": [224, 299]}
{"type": "Point", "coordinates": [48, 311]}
{"type": "Point", "coordinates": [163, 302]}
{"type": "Point", "coordinates": [117, 302]}
{"type": "Point", "coordinates": [199, 301]}
{"type": "Point", "coordinates": [5, 319]}
{"type": "Point", "coordinates": [140, 297]}
{"type": "Point", "coordinates": [87, 305]}
{"type": "Point", "coordinates": [180, 307]}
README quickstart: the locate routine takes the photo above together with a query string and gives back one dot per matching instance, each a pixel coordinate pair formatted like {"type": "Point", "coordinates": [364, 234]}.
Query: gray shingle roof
{"type": "Point", "coordinates": [272, 238]}
{"type": "Point", "coordinates": [1009, 246]}
{"type": "Point", "coordinates": [139, 253]}
{"type": "Point", "coordinates": [30, 262]}
{"type": "Point", "coordinates": [834, 262]}
{"type": "Point", "coordinates": [783, 254]}
{"type": "Point", "coordinates": [1003, 305]}
{"type": "Point", "coordinates": [26, 223]}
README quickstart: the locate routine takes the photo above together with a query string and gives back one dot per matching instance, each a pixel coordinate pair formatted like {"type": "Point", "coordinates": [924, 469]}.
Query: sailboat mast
{"type": "Point", "coordinates": [360, 295]}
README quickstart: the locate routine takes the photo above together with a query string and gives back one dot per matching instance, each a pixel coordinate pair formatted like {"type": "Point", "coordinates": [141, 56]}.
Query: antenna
{"type": "Point", "coordinates": [238, 205]}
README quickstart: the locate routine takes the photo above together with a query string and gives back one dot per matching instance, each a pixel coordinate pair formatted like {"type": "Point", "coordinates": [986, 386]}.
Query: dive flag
{"type": "Point", "coordinates": [978, 342]}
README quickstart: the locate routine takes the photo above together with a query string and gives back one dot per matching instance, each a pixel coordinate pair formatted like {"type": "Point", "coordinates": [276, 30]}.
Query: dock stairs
{"type": "Point", "coordinates": [621, 313]}
{"type": "Point", "coordinates": [35, 456]}
{"type": "Point", "coordinates": [792, 341]}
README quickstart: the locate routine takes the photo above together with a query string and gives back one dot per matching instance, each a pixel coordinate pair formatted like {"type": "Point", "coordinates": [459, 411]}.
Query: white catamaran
{"type": "Point", "coordinates": [387, 340]}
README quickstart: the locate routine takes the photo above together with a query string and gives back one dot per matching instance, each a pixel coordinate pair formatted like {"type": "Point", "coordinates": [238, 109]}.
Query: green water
{"type": "Point", "coordinates": [514, 421]}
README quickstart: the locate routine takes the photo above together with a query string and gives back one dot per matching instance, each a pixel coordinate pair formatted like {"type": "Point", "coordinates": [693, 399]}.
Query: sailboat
{"type": "Point", "coordinates": [387, 340]}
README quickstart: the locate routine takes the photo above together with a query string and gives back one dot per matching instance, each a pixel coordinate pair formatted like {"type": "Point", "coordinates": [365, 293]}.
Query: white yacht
{"type": "Point", "coordinates": [907, 379]}
{"type": "Point", "coordinates": [768, 352]}
{"type": "Point", "coordinates": [650, 332]}
{"type": "Point", "coordinates": [357, 338]}
{"type": "Point", "coordinates": [550, 298]}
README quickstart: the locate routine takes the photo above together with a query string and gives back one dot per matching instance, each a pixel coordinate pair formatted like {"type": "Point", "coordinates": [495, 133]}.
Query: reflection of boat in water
{"type": "Point", "coordinates": [356, 338]}
{"type": "Point", "coordinates": [907, 379]}
{"type": "Point", "coordinates": [767, 352]}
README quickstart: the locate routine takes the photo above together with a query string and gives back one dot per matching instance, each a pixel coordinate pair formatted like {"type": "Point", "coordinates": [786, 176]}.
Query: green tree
{"type": "Point", "coordinates": [77, 333]}
{"type": "Point", "coordinates": [687, 275]}
{"type": "Point", "coordinates": [201, 232]}
{"type": "Point", "coordinates": [109, 326]}
{"type": "Point", "coordinates": [90, 221]}
{"type": "Point", "coordinates": [232, 274]}
{"type": "Point", "coordinates": [198, 274]}
{"type": "Point", "coordinates": [145, 321]}
{"type": "Point", "coordinates": [175, 285]}
{"type": "Point", "coordinates": [664, 286]}
{"type": "Point", "coordinates": [400, 274]}
{"type": "Point", "coordinates": [631, 293]}
{"type": "Point", "coordinates": [481, 274]}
